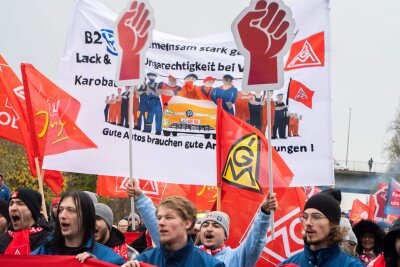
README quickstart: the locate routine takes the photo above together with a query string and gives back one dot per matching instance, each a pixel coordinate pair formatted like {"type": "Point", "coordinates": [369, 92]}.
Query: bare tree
{"type": "Point", "coordinates": [392, 149]}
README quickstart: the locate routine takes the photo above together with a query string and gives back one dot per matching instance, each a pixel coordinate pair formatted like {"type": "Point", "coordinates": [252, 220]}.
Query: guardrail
{"type": "Point", "coordinates": [361, 166]}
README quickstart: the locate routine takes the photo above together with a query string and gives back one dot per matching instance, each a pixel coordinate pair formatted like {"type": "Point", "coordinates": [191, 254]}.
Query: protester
{"type": "Point", "coordinates": [106, 234]}
{"type": "Point", "coordinates": [391, 248]}
{"type": "Point", "coordinates": [27, 230]}
{"type": "Point", "coordinates": [93, 196]}
{"type": "Point", "coordinates": [123, 225]}
{"type": "Point", "coordinates": [349, 244]}
{"type": "Point", "coordinates": [54, 207]}
{"type": "Point", "coordinates": [370, 162]}
{"type": "Point", "coordinates": [322, 234]}
{"type": "Point", "coordinates": [214, 230]}
{"type": "Point", "coordinates": [370, 237]}
{"type": "Point", "coordinates": [384, 226]}
{"type": "Point", "coordinates": [176, 217]}
{"type": "Point", "coordinates": [74, 231]}
{"type": "Point", "coordinates": [4, 216]}
{"type": "Point", "coordinates": [4, 190]}
{"type": "Point", "coordinates": [53, 213]}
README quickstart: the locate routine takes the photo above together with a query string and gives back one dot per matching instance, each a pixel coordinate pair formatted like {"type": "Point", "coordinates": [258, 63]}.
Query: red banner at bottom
{"type": "Point", "coordinates": [46, 261]}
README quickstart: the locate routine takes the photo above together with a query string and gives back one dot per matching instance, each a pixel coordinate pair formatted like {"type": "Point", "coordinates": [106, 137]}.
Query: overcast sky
{"type": "Point", "coordinates": [365, 54]}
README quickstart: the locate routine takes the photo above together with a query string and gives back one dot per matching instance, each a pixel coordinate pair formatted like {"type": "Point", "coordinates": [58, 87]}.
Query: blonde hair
{"type": "Point", "coordinates": [185, 208]}
{"type": "Point", "coordinates": [337, 234]}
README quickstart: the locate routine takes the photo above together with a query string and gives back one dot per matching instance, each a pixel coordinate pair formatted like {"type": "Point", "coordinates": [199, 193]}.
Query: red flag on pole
{"type": "Point", "coordinates": [359, 211]}
{"type": "Point", "coordinates": [242, 167]}
{"type": "Point", "coordinates": [53, 112]}
{"type": "Point", "coordinates": [8, 117]}
{"type": "Point", "coordinates": [300, 93]}
{"type": "Point", "coordinates": [242, 156]}
{"type": "Point", "coordinates": [371, 207]}
{"type": "Point", "coordinates": [13, 89]}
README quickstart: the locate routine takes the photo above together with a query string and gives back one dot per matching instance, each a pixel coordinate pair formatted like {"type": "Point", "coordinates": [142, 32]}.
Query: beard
{"type": "Point", "coordinates": [313, 241]}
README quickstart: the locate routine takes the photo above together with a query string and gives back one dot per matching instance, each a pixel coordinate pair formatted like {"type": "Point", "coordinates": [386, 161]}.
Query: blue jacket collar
{"type": "Point", "coordinates": [179, 254]}
{"type": "Point", "coordinates": [322, 255]}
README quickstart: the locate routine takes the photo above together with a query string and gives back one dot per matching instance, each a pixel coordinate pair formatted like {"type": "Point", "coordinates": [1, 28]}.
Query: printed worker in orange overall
{"type": "Point", "coordinates": [189, 90]}
{"type": "Point", "coordinates": [112, 113]}
{"type": "Point", "coordinates": [296, 123]}
{"type": "Point", "coordinates": [167, 90]}
{"type": "Point", "coordinates": [242, 106]}
{"type": "Point", "coordinates": [206, 89]}
{"type": "Point", "coordinates": [265, 114]}
{"type": "Point", "coordinates": [118, 100]}
{"type": "Point", "coordinates": [291, 125]}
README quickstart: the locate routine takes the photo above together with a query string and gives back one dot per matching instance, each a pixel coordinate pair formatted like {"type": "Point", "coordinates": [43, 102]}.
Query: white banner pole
{"type": "Point", "coordinates": [271, 184]}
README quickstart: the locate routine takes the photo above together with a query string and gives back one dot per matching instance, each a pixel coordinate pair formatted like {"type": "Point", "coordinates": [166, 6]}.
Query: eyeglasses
{"type": "Point", "coordinates": [314, 217]}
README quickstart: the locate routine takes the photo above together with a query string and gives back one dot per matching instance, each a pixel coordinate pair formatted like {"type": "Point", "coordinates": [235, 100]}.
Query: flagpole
{"type": "Point", "coordinates": [40, 181]}
{"type": "Point", "coordinates": [271, 185]}
{"type": "Point", "coordinates": [218, 197]}
{"type": "Point", "coordinates": [130, 117]}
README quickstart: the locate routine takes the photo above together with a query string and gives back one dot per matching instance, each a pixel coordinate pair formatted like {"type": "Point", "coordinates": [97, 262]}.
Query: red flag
{"type": "Point", "coordinates": [51, 260]}
{"type": "Point", "coordinates": [288, 228]}
{"type": "Point", "coordinates": [309, 191]}
{"type": "Point", "coordinates": [243, 171]}
{"type": "Point", "coordinates": [371, 208]}
{"type": "Point", "coordinates": [114, 186]}
{"type": "Point", "coordinates": [300, 93]}
{"type": "Point", "coordinates": [359, 211]}
{"type": "Point", "coordinates": [309, 52]}
{"type": "Point", "coordinates": [8, 116]}
{"type": "Point", "coordinates": [131, 236]}
{"type": "Point", "coordinates": [12, 86]}
{"type": "Point", "coordinates": [242, 156]}
{"type": "Point", "coordinates": [380, 201]}
{"type": "Point", "coordinates": [53, 112]}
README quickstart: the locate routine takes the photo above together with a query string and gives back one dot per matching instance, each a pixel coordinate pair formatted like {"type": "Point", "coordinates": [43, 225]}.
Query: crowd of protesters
{"type": "Point", "coordinates": [78, 225]}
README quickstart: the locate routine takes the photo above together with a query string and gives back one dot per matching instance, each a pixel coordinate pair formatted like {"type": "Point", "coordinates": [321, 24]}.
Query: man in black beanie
{"type": "Point", "coordinates": [322, 233]}
{"type": "Point", "coordinates": [27, 231]}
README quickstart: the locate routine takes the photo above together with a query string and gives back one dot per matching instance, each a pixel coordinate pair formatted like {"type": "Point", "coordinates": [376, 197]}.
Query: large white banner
{"type": "Point", "coordinates": [184, 150]}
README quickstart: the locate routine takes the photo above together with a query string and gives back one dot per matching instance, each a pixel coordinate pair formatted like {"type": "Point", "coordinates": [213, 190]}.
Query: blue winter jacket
{"type": "Point", "coordinates": [326, 257]}
{"type": "Point", "coordinates": [189, 256]}
{"type": "Point", "coordinates": [100, 251]}
{"type": "Point", "coordinates": [246, 254]}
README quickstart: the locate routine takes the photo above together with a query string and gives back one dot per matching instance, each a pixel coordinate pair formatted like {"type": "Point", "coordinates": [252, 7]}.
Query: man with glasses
{"type": "Point", "coordinates": [322, 233]}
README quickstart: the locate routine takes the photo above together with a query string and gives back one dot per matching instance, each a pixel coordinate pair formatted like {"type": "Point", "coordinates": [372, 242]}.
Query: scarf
{"type": "Point", "coordinates": [212, 252]}
{"type": "Point", "coordinates": [20, 243]}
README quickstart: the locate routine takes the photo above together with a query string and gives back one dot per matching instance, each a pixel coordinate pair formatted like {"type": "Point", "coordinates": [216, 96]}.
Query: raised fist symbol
{"type": "Point", "coordinates": [264, 31]}
{"type": "Point", "coordinates": [134, 28]}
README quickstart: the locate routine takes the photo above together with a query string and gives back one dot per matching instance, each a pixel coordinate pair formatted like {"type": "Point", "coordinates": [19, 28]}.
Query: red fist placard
{"type": "Point", "coordinates": [263, 33]}
{"type": "Point", "coordinates": [134, 29]}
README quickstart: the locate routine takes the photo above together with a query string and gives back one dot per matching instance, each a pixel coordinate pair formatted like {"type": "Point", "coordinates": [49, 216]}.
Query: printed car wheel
{"type": "Point", "coordinates": [174, 133]}
{"type": "Point", "coordinates": [207, 136]}
{"type": "Point", "coordinates": [214, 136]}
{"type": "Point", "coordinates": [166, 133]}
